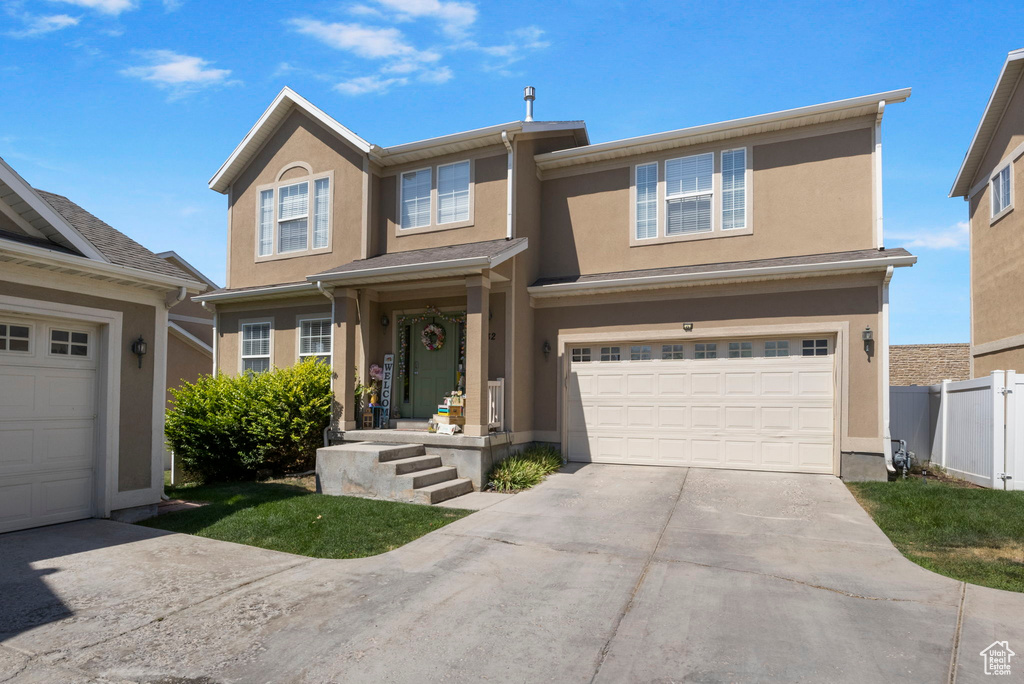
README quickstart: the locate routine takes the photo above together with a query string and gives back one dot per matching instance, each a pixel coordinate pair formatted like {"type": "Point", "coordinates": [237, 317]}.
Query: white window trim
{"type": "Point", "coordinates": [31, 337]}
{"type": "Point", "coordinates": [241, 338]}
{"type": "Point", "coordinates": [435, 194]}
{"type": "Point", "coordinates": [747, 177]}
{"type": "Point", "coordinates": [310, 178]}
{"type": "Point", "coordinates": [434, 226]}
{"type": "Point", "coordinates": [633, 203]}
{"type": "Point", "coordinates": [995, 216]}
{"type": "Point", "coordinates": [326, 316]}
{"type": "Point", "coordinates": [716, 199]}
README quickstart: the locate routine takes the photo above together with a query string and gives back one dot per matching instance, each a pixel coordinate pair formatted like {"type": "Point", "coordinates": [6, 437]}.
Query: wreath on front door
{"type": "Point", "coordinates": [432, 337]}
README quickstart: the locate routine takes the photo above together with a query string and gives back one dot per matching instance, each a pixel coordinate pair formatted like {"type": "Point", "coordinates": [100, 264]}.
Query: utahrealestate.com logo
{"type": "Point", "coordinates": [997, 658]}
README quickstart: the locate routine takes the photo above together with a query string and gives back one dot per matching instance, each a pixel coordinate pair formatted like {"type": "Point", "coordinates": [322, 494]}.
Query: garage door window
{"type": "Point", "coordinates": [775, 348]}
{"type": "Point", "coordinates": [741, 350]}
{"type": "Point", "coordinates": [705, 350]}
{"type": "Point", "coordinates": [14, 338]}
{"type": "Point", "coordinates": [610, 354]}
{"type": "Point", "coordinates": [581, 354]}
{"type": "Point", "coordinates": [69, 343]}
{"type": "Point", "coordinates": [815, 348]}
{"type": "Point", "coordinates": [640, 352]}
{"type": "Point", "coordinates": [671, 351]}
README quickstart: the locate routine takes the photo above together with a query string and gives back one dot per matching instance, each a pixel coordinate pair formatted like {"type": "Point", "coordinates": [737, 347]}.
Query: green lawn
{"type": "Point", "coordinates": [289, 517]}
{"type": "Point", "coordinates": [974, 535]}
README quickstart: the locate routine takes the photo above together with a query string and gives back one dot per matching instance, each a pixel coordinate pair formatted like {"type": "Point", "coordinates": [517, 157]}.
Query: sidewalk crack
{"type": "Point", "coordinates": [955, 655]}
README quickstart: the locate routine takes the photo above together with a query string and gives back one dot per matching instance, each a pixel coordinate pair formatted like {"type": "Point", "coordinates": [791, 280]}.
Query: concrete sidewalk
{"type": "Point", "coordinates": [602, 573]}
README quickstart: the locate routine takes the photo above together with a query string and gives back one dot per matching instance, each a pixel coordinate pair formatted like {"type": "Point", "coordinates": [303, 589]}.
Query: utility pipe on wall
{"type": "Point", "coordinates": [505, 138]}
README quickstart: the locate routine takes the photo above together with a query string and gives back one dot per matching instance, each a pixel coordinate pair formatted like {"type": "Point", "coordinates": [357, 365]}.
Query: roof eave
{"type": "Point", "coordinates": [271, 291]}
{"type": "Point", "coordinates": [717, 277]}
{"type": "Point", "coordinates": [1014, 64]}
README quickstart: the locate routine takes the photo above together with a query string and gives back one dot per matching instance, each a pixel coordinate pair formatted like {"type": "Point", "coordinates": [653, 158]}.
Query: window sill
{"type": "Point", "coordinates": [433, 228]}
{"type": "Point", "coordinates": [999, 217]}
{"type": "Point", "coordinates": [706, 235]}
{"type": "Point", "coordinates": [291, 255]}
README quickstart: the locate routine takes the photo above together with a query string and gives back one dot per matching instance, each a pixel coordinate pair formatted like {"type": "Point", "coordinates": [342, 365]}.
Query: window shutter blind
{"type": "Point", "coordinates": [321, 211]}
{"type": "Point", "coordinates": [647, 201]}
{"type": "Point", "coordinates": [416, 199]}
{"type": "Point", "coordinates": [266, 232]}
{"type": "Point", "coordinates": [453, 192]}
{"type": "Point", "coordinates": [689, 174]}
{"type": "Point", "coordinates": [734, 191]}
{"type": "Point", "coordinates": [293, 201]}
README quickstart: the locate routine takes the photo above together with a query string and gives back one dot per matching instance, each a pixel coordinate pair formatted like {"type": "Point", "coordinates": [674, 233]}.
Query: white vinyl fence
{"type": "Point", "coordinates": [973, 428]}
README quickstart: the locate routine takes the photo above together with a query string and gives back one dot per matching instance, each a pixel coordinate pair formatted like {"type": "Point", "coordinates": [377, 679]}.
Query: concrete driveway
{"type": "Point", "coordinates": [602, 573]}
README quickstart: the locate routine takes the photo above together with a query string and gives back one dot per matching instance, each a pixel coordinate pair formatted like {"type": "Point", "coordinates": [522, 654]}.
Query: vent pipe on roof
{"type": "Point", "coordinates": [529, 94]}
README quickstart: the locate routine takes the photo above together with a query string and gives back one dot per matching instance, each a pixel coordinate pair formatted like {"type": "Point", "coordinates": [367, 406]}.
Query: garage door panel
{"type": "Point", "coordinates": [751, 413]}
{"type": "Point", "coordinates": [17, 447]}
{"type": "Point", "coordinates": [71, 443]}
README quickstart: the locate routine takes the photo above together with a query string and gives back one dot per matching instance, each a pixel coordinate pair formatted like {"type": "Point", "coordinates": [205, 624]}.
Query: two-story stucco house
{"type": "Point", "coordinates": [699, 297]}
{"type": "Point", "coordinates": [990, 180]}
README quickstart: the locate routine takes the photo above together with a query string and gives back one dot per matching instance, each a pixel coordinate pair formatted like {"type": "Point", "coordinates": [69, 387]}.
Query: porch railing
{"type": "Point", "coordinates": [496, 404]}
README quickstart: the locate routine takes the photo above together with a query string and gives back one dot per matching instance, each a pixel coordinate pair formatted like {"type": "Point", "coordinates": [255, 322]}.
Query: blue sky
{"type": "Point", "coordinates": [129, 106]}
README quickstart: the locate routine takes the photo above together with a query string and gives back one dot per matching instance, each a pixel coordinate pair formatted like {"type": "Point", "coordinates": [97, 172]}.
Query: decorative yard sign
{"type": "Point", "coordinates": [385, 395]}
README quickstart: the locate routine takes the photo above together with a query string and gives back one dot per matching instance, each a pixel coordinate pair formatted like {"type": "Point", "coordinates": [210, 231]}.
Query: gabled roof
{"type": "Point", "coordinates": [281, 107]}
{"type": "Point", "coordinates": [39, 217]}
{"type": "Point", "coordinates": [763, 123]}
{"type": "Point", "coordinates": [288, 100]}
{"type": "Point", "coordinates": [1007, 82]}
{"type": "Point", "coordinates": [177, 260]}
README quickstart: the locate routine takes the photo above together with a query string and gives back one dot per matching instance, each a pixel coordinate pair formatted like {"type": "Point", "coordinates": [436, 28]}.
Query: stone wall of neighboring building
{"type": "Point", "coordinates": [928, 364]}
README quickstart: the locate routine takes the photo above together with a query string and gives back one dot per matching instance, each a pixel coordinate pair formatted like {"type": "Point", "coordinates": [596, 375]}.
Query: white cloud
{"type": "Point", "coordinates": [37, 26]}
{"type": "Point", "coordinates": [955, 237]}
{"type": "Point", "coordinates": [363, 85]}
{"type": "Point", "coordinates": [439, 75]}
{"type": "Point", "coordinates": [364, 41]}
{"type": "Point", "coordinates": [114, 7]}
{"type": "Point", "coordinates": [455, 17]}
{"type": "Point", "coordinates": [520, 43]}
{"type": "Point", "coordinates": [181, 73]}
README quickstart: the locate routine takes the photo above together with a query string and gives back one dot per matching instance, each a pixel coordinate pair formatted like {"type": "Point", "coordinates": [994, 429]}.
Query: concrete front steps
{"type": "Point", "coordinates": [399, 472]}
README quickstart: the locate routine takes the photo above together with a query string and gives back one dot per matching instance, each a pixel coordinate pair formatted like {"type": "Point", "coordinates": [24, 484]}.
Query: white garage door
{"type": "Point", "coordinates": [47, 421]}
{"type": "Point", "coordinates": [745, 404]}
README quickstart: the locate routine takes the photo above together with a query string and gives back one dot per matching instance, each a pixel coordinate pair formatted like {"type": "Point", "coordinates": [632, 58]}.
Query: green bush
{"type": "Point", "coordinates": [525, 469]}
{"type": "Point", "coordinates": [230, 428]}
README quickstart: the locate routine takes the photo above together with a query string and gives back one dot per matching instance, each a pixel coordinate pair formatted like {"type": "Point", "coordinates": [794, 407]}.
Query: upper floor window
{"type": "Point", "coordinates": [703, 195]}
{"type": "Point", "coordinates": [294, 216]}
{"type": "Point", "coordinates": [1002, 191]}
{"type": "Point", "coordinates": [435, 198]}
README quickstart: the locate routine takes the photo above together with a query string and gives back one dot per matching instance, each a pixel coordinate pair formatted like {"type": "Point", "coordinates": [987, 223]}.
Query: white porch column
{"type": "Point", "coordinates": [478, 295]}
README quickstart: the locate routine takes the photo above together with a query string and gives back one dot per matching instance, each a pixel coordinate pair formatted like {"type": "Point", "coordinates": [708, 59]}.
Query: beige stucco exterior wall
{"type": "Point", "coordinates": [185, 363]}
{"type": "Point", "coordinates": [809, 195]}
{"type": "Point", "coordinates": [1009, 134]}
{"type": "Point", "coordinates": [284, 315]}
{"type": "Point", "coordinates": [1010, 359]}
{"type": "Point", "coordinates": [489, 187]}
{"type": "Point", "coordinates": [769, 305]}
{"type": "Point", "coordinates": [135, 446]}
{"type": "Point", "coordinates": [298, 139]}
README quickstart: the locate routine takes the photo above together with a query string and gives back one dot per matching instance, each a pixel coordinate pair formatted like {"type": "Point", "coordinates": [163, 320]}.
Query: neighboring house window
{"type": "Point", "coordinates": [671, 351]}
{"type": "Point", "coordinates": [452, 192]}
{"type": "Point", "coordinates": [705, 350]}
{"type": "Point", "coordinates": [610, 354]}
{"type": "Point", "coordinates": [688, 194]}
{"type": "Point", "coordinates": [14, 338]}
{"type": "Point", "coordinates": [256, 347]}
{"type": "Point", "coordinates": [641, 352]}
{"type": "Point", "coordinates": [774, 348]}
{"type": "Point", "coordinates": [741, 350]}
{"type": "Point", "coordinates": [581, 354]}
{"type": "Point", "coordinates": [315, 339]}
{"type": "Point", "coordinates": [734, 189]}
{"type": "Point", "coordinates": [69, 343]}
{"type": "Point", "coordinates": [416, 199]}
{"type": "Point", "coordinates": [1001, 193]}
{"type": "Point", "coordinates": [646, 201]}
{"type": "Point", "coordinates": [815, 348]}
{"type": "Point", "coordinates": [294, 217]}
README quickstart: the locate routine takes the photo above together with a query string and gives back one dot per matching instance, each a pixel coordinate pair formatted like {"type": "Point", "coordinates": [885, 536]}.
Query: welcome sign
{"type": "Point", "coordinates": [385, 394]}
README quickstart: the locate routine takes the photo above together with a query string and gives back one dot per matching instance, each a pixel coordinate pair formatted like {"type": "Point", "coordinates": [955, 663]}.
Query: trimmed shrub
{"type": "Point", "coordinates": [224, 428]}
{"type": "Point", "coordinates": [525, 469]}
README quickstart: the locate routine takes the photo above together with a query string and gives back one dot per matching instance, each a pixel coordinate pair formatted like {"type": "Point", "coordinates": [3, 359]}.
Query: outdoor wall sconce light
{"type": "Point", "coordinates": [384, 320]}
{"type": "Point", "coordinates": [546, 348]}
{"type": "Point", "coordinates": [868, 338]}
{"type": "Point", "coordinates": [139, 348]}
{"type": "Point", "coordinates": [688, 327]}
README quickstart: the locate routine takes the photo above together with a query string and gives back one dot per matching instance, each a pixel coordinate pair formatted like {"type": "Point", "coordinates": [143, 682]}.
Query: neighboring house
{"type": "Point", "coordinates": [698, 297]}
{"type": "Point", "coordinates": [991, 179]}
{"type": "Point", "coordinates": [189, 337]}
{"type": "Point", "coordinates": [81, 415]}
{"type": "Point", "coordinates": [928, 364]}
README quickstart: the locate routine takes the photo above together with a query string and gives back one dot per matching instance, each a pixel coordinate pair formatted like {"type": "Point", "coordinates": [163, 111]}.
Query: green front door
{"type": "Point", "coordinates": [432, 370]}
